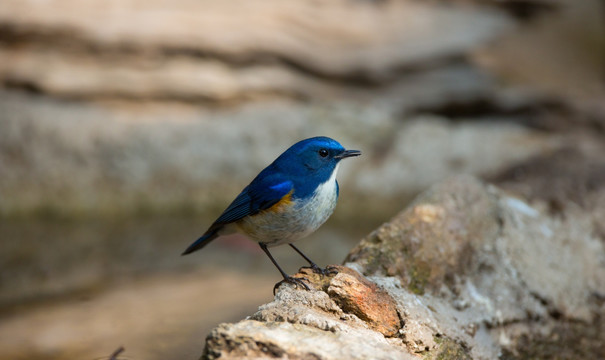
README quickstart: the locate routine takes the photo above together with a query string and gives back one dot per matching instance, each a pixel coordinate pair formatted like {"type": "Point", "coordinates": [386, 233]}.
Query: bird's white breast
{"type": "Point", "coordinates": [322, 202]}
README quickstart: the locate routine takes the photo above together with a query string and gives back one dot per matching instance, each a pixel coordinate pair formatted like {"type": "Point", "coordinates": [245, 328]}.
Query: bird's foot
{"type": "Point", "coordinates": [294, 281]}
{"type": "Point", "coordinates": [327, 271]}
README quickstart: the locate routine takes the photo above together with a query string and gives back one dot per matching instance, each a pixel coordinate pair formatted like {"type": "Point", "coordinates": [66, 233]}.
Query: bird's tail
{"type": "Point", "coordinates": [202, 241]}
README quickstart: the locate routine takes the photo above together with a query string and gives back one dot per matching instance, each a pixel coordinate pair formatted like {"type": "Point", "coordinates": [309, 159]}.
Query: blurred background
{"type": "Point", "coordinates": [127, 126]}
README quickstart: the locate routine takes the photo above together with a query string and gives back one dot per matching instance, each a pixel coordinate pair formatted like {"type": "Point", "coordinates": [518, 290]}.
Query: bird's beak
{"type": "Point", "coordinates": [348, 153]}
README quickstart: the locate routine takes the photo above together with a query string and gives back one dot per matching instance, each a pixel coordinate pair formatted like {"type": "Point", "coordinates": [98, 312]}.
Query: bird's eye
{"type": "Point", "coordinates": [323, 152]}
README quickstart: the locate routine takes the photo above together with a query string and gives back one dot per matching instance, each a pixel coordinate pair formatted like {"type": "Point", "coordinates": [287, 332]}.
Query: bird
{"type": "Point", "coordinates": [287, 201]}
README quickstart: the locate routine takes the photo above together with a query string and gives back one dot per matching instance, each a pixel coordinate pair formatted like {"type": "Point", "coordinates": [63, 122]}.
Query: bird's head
{"type": "Point", "coordinates": [317, 156]}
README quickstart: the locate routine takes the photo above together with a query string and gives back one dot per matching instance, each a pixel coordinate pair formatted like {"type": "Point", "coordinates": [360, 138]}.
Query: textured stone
{"type": "Point", "coordinates": [251, 339]}
{"type": "Point", "coordinates": [432, 239]}
{"type": "Point", "coordinates": [471, 273]}
{"type": "Point", "coordinates": [356, 295]}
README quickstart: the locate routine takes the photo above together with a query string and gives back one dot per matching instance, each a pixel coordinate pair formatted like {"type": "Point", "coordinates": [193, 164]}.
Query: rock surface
{"type": "Point", "coordinates": [465, 272]}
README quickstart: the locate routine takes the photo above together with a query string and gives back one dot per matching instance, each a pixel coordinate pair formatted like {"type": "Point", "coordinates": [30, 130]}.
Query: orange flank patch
{"type": "Point", "coordinates": [285, 202]}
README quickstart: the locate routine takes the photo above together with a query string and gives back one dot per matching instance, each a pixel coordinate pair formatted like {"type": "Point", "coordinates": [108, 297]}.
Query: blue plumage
{"type": "Point", "coordinates": [257, 196]}
{"type": "Point", "coordinates": [288, 200]}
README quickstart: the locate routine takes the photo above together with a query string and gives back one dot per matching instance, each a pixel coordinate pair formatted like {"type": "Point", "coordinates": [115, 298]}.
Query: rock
{"type": "Point", "coordinates": [570, 175]}
{"type": "Point", "coordinates": [356, 295]}
{"type": "Point", "coordinates": [333, 321]}
{"type": "Point", "coordinates": [351, 293]}
{"type": "Point", "coordinates": [430, 241]}
{"type": "Point", "coordinates": [470, 272]}
{"type": "Point", "coordinates": [376, 41]}
{"type": "Point", "coordinates": [150, 117]}
{"type": "Point", "coordinates": [149, 161]}
{"type": "Point", "coordinates": [251, 339]}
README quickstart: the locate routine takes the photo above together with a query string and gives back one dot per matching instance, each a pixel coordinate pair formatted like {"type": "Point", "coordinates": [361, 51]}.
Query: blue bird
{"type": "Point", "coordinates": [288, 200]}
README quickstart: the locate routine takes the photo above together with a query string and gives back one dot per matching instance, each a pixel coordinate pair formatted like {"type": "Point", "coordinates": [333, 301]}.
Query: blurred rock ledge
{"type": "Point", "coordinates": [189, 41]}
{"type": "Point", "coordinates": [465, 272]}
{"type": "Point", "coordinates": [75, 159]}
{"type": "Point", "coordinates": [213, 52]}
{"type": "Point", "coordinates": [154, 107]}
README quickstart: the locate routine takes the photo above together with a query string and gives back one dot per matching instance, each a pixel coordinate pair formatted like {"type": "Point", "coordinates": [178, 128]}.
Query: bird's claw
{"type": "Point", "coordinates": [327, 271]}
{"type": "Point", "coordinates": [294, 281]}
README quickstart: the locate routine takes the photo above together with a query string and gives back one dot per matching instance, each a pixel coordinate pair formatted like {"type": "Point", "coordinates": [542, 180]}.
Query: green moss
{"type": "Point", "coordinates": [372, 254]}
{"type": "Point", "coordinates": [419, 274]}
{"type": "Point", "coordinates": [391, 257]}
{"type": "Point", "coordinates": [448, 349]}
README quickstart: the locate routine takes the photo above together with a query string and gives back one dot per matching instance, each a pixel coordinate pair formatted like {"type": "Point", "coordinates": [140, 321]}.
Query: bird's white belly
{"type": "Point", "coordinates": [293, 221]}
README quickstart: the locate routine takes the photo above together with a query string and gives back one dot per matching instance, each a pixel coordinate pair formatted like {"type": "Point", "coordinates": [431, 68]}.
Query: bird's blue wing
{"type": "Point", "coordinates": [261, 194]}
{"type": "Point", "coordinates": [239, 208]}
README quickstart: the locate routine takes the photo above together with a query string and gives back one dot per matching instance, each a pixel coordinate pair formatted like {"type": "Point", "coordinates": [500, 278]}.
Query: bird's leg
{"type": "Point", "coordinates": [313, 266]}
{"type": "Point", "coordinates": [329, 270]}
{"type": "Point", "coordinates": [287, 278]}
